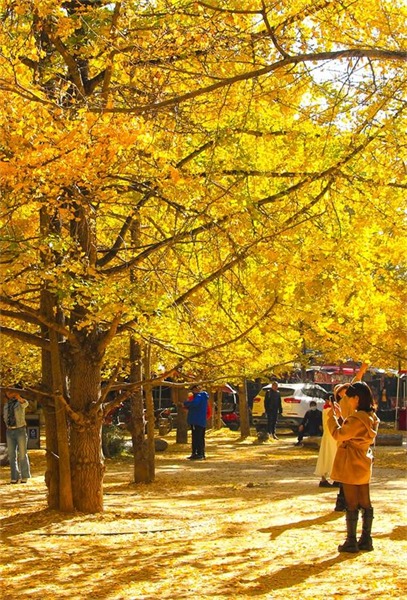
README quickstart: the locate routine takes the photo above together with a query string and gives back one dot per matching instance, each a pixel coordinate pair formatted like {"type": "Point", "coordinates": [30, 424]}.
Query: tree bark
{"type": "Point", "coordinates": [47, 307]}
{"type": "Point", "coordinates": [150, 415]}
{"type": "Point", "coordinates": [51, 440]}
{"type": "Point", "coordinates": [65, 483]}
{"type": "Point", "coordinates": [150, 433]}
{"type": "Point", "coordinates": [87, 464]}
{"type": "Point", "coordinates": [211, 402]}
{"type": "Point", "coordinates": [218, 410]}
{"type": "Point", "coordinates": [138, 421]}
{"type": "Point", "coordinates": [182, 425]}
{"type": "Point", "coordinates": [244, 410]}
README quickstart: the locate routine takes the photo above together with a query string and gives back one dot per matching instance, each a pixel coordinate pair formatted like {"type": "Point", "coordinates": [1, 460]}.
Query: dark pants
{"type": "Point", "coordinates": [307, 431]}
{"type": "Point", "coordinates": [272, 422]}
{"type": "Point", "coordinates": [198, 440]}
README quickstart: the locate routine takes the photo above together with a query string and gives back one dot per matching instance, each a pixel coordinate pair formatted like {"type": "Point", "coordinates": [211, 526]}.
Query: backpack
{"type": "Point", "coordinates": [11, 414]}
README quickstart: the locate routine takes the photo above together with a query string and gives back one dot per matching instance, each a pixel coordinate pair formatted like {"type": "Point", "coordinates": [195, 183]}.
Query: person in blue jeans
{"type": "Point", "coordinates": [16, 435]}
{"type": "Point", "coordinates": [197, 415]}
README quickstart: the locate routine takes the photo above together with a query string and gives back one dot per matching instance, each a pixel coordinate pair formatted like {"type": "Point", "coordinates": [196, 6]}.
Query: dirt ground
{"type": "Point", "coordinates": [249, 522]}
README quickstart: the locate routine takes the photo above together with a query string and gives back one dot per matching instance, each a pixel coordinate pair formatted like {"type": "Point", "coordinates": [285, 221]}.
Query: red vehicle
{"type": "Point", "coordinates": [231, 420]}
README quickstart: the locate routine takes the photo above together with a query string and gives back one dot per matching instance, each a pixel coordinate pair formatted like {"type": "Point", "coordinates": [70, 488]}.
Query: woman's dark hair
{"type": "Point", "coordinates": [364, 393]}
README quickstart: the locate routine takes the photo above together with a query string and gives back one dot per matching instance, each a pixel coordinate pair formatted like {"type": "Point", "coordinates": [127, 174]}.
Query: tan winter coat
{"type": "Point", "coordinates": [354, 456]}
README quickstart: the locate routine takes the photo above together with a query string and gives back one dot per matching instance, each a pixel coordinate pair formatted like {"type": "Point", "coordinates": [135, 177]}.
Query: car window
{"type": "Point", "coordinates": [286, 391]}
{"type": "Point", "coordinates": [319, 393]}
{"type": "Point", "coordinates": [310, 392]}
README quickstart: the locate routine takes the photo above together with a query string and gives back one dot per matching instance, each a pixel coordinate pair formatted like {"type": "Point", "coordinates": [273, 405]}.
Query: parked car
{"type": "Point", "coordinates": [295, 399]}
{"type": "Point", "coordinates": [230, 408]}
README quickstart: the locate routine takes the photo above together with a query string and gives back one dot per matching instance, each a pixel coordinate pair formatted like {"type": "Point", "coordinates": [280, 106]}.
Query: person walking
{"type": "Point", "coordinates": [311, 423]}
{"type": "Point", "coordinates": [16, 436]}
{"type": "Point", "coordinates": [273, 408]}
{"type": "Point", "coordinates": [353, 461]}
{"type": "Point", "coordinates": [197, 407]}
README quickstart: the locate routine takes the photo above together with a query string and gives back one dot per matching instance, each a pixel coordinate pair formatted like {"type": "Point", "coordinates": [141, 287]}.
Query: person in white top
{"type": "Point", "coordinates": [327, 450]}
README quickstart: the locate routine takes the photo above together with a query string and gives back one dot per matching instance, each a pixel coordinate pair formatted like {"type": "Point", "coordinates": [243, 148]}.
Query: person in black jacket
{"type": "Point", "coordinates": [311, 423]}
{"type": "Point", "coordinates": [273, 408]}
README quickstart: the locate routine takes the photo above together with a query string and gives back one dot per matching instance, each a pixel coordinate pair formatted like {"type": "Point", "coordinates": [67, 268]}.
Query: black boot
{"type": "Point", "coordinates": [350, 544]}
{"type": "Point", "coordinates": [365, 541]}
{"type": "Point", "coordinates": [340, 505]}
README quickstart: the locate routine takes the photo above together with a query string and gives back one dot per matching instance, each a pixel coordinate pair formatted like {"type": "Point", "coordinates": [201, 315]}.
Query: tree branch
{"type": "Point", "coordinates": [109, 69]}
{"type": "Point", "coordinates": [271, 31]}
{"type": "Point", "coordinates": [233, 340]}
{"type": "Point", "coordinates": [167, 241]}
{"type": "Point", "coordinates": [21, 316]}
{"type": "Point", "coordinates": [28, 338]}
{"type": "Point", "coordinates": [243, 254]}
{"type": "Point", "coordinates": [68, 58]}
{"type": "Point", "coordinates": [41, 319]}
{"type": "Point", "coordinates": [384, 55]}
{"type": "Point", "coordinates": [229, 10]}
{"type": "Point", "coordinates": [107, 337]}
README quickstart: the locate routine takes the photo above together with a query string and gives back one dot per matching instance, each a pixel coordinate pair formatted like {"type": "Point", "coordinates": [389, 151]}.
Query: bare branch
{"type": "Point", "coordinates": [271, 31]}
{"type": "Point", "coordinates": [109, 69]}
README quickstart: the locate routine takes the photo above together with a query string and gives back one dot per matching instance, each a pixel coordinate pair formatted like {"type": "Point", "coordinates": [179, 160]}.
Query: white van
{"type": "Point", "coordinates": [295, 399]}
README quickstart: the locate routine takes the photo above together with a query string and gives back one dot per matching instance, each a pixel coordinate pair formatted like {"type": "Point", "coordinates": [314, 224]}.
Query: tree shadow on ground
{"type": "Point", "coordinates": [277, 530]}
{"type": "Point", "coordinates": [294, 574]}
{"type": "Point", "coordinates": [26, 522]}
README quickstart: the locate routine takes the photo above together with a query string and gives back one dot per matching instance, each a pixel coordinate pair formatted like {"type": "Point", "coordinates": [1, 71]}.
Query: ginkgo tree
{"type": "Point", "coordinates": [219, 180]}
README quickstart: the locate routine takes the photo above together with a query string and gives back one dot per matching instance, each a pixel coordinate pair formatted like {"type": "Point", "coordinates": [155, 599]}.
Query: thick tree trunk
{"type": "Point", "coordinates": [87, 465]}
{"type": "Point", "coordinates": [182, 425]}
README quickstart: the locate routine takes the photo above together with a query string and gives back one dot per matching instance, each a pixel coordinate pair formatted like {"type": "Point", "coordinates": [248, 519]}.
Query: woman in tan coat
{"type": "Point", "coordinates": [353, 461]}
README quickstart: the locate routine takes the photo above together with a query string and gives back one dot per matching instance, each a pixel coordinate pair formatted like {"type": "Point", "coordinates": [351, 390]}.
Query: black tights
{"type": "Point", "coordinates": [356, 496]}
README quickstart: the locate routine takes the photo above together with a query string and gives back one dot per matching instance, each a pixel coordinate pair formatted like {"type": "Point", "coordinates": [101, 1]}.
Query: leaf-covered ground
{"type": "Point", "coordinates": [249, 522]}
